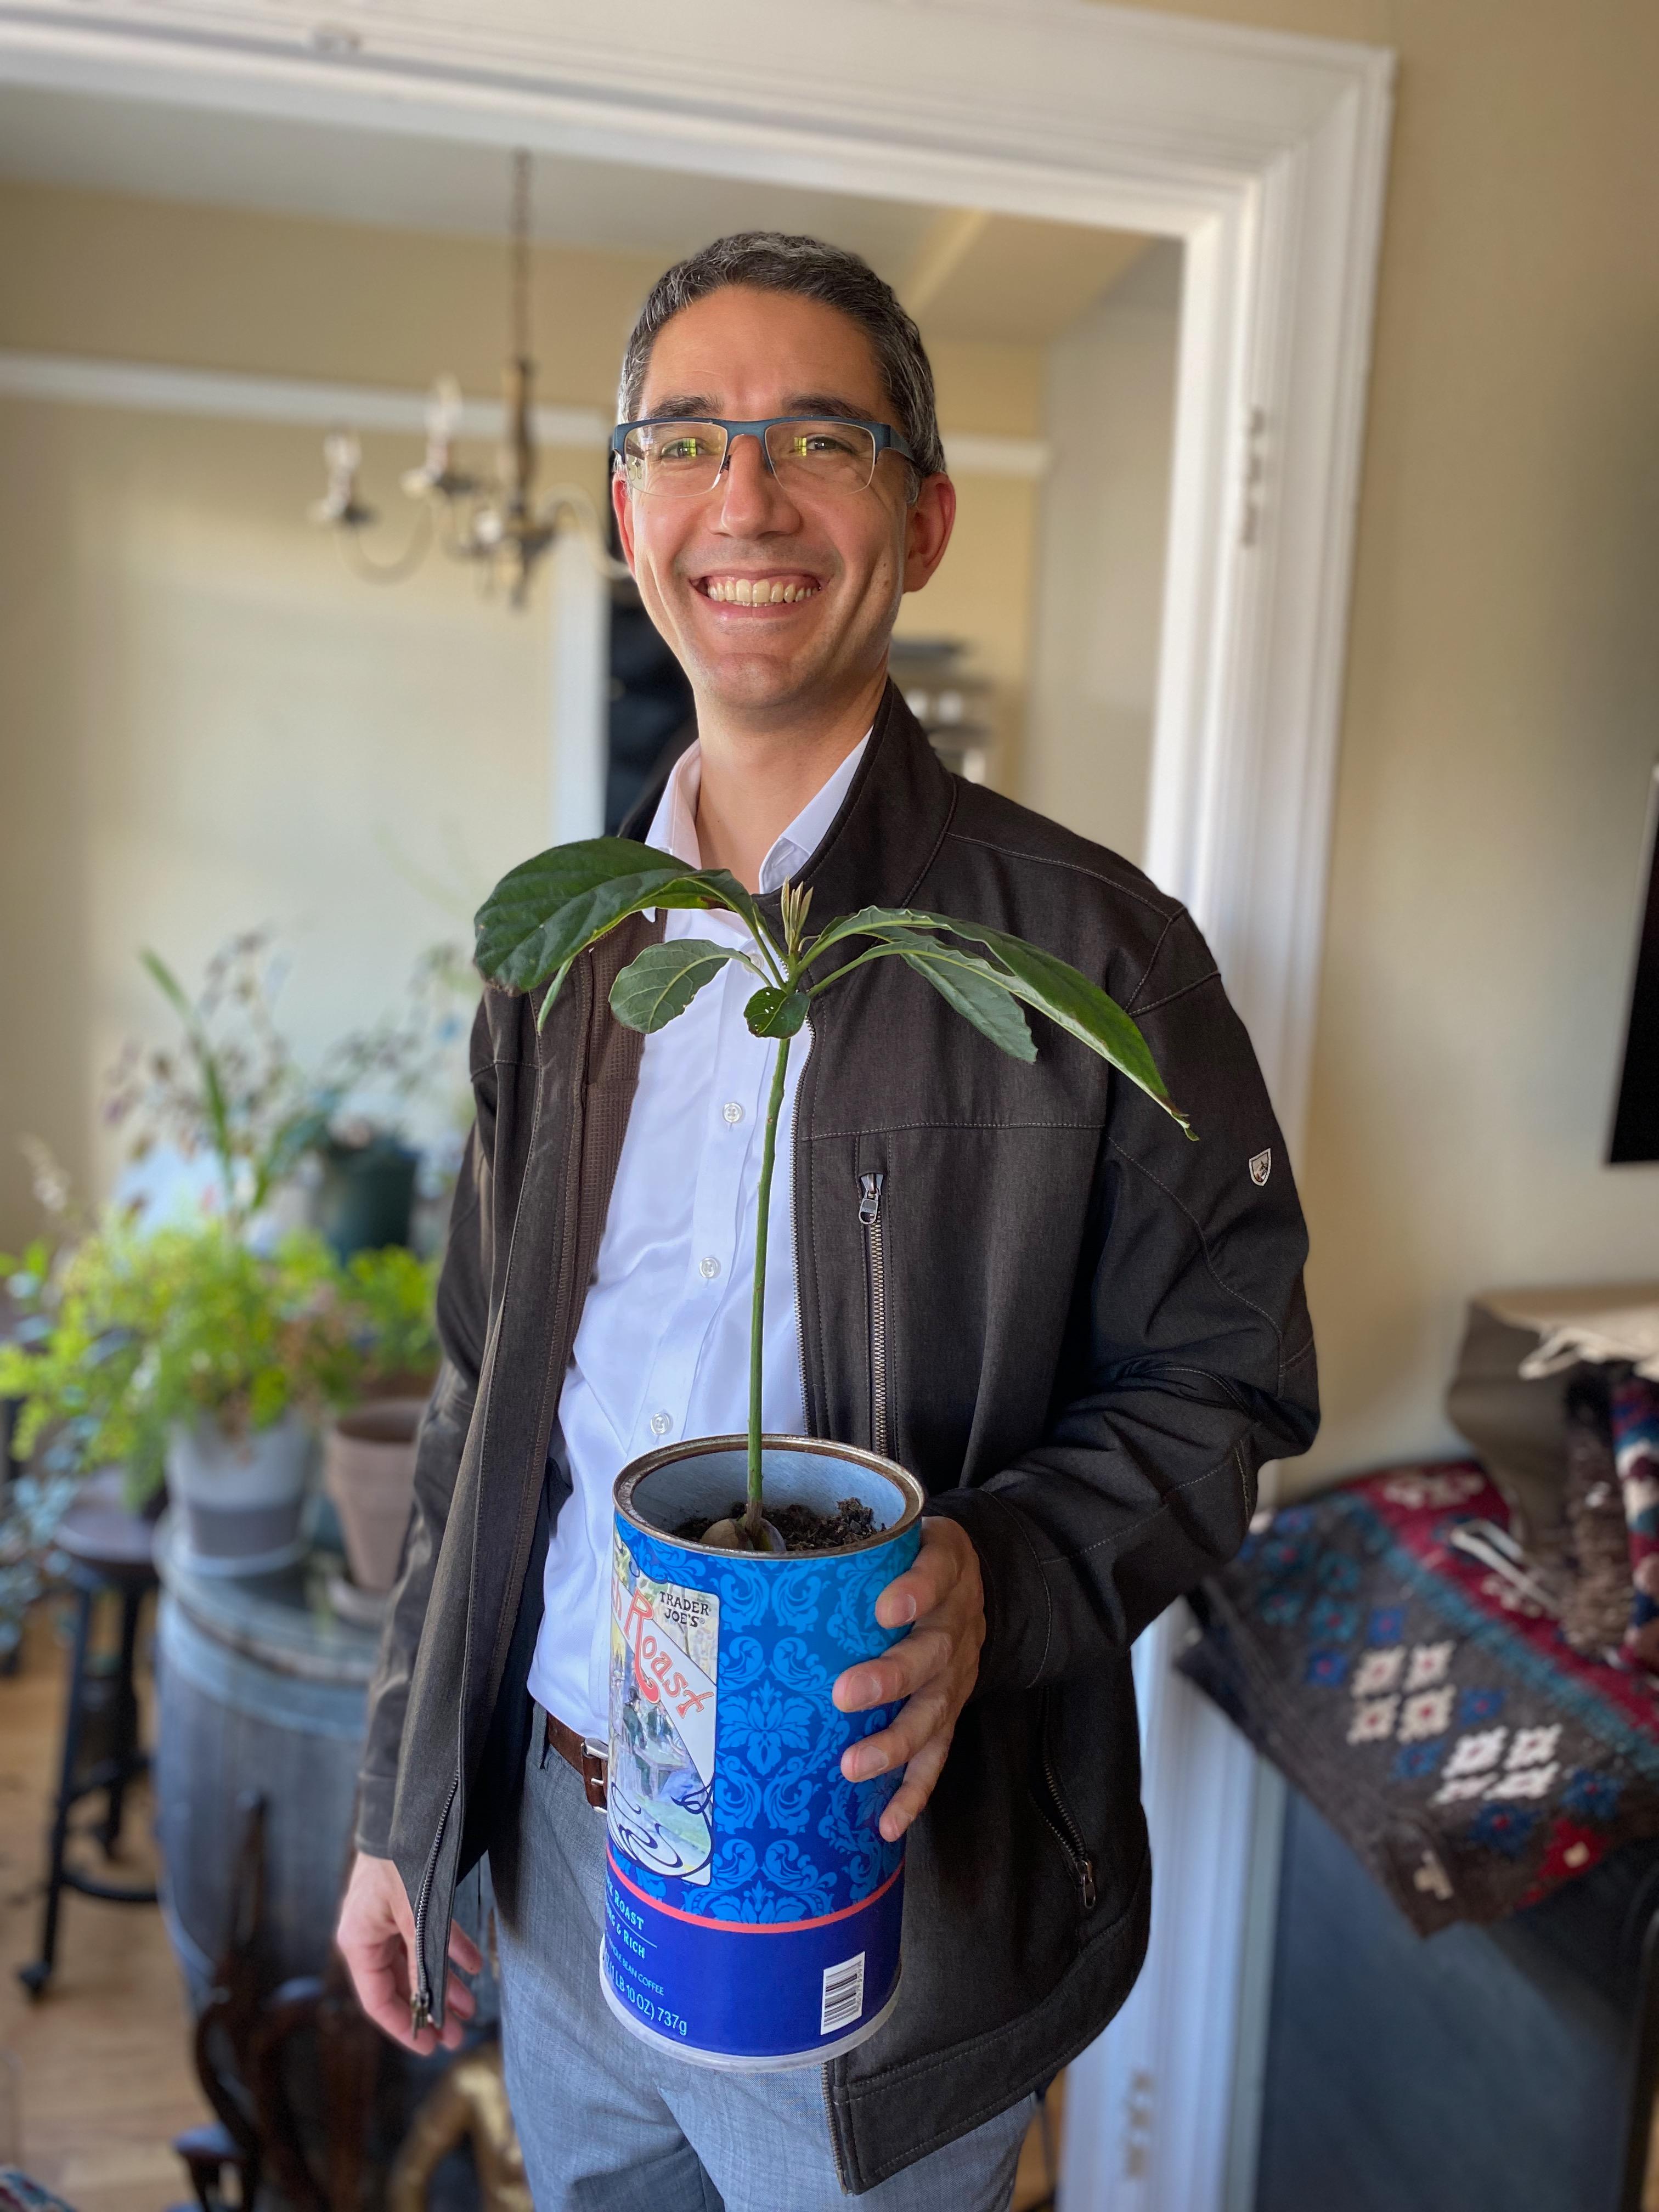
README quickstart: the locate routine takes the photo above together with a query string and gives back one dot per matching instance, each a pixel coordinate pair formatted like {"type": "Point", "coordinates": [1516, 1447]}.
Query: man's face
{"type": "Point", "coordinates": [847, 555]}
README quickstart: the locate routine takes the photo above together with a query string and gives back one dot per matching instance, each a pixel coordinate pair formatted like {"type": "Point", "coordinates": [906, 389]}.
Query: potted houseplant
{"type": "Point", "coordinates": [369, 1447]}
{"type": "Point", "coordinates": [752, 1904]}
{"type": "Point", "coordinates": [36, 1495]}
{"type": "Point", "coordinates": [229, 1091]}
{"type": "Point", "coordinates": [364, 1200]}
{"type": "Point", "coordinates": [189, 1359]}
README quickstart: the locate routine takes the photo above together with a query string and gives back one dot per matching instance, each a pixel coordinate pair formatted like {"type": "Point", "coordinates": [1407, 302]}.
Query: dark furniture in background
{"type": "Point", "coordinates": [651, 719]}
{"type": "Point", "coordinates": [1635, 1134]}
{"type": "Point", "coordinates": [1509, 2068]}
{"type": "Point", "coordinates": [365, 1197]}
{"type": "Point", "coordinates": [106, 1554]}
{"type": "Point", "coordinates": [262, 1691]}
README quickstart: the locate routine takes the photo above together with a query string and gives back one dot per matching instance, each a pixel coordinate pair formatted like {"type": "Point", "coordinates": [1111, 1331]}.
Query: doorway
{"type": "Point", "coordinates": [1263, 157]}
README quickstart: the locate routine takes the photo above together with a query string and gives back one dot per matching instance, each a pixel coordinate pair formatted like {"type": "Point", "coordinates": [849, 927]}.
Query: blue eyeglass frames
{"type": "Point", "coordinates": [685, 457]}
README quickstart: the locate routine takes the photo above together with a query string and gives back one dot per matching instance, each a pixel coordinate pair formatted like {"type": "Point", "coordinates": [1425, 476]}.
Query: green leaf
{"type": "Point", "coordinates": [169, 985]}
{"type": "Point", "coordinates": [207, 1062]}
{"type": "Point", "coordinates": [547, 910]}
{"type": "Point", "coordinates": [774, 1013]}
{"type": "Point", "coordinates": [662, 981]}
{"type": "Point", "coordinates": [1042, 980]}
{"type": "Point", "coordinates": [731, 893]}
{"type": "Point", "coordinates": [978, 994]}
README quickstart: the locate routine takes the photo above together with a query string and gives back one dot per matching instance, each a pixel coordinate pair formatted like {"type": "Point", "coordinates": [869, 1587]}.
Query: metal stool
{"type": "Point", "coordinates": [107, 1549]}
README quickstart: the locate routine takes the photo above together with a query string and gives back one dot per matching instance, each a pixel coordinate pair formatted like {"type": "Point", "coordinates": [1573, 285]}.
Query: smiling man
{"type": "Point", "coordinates": [1090, 1333]}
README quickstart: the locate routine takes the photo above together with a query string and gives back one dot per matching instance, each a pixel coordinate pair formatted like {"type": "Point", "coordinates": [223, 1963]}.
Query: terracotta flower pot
{"type": "Point", "coordinates": [368, 1470]}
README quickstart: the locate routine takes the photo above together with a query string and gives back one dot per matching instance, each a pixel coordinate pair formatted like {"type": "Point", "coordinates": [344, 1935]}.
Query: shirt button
{"type": "Point", "coordinates": [661, 1423]}
{"type": "Point", "coordinates": [733, 1112]}
{"type": "Point", "coordinates": [708, 1268]}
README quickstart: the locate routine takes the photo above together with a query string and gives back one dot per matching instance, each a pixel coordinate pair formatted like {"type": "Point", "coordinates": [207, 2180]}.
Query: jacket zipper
{"type": "Point", "coordinates": [841, 2173]}
{"type": "Point", "coordinates": [875, 1269]}
{"type": "Point", "coordinates": [1064, 1829]}
{"type": "Point", "coordinates": [420, 2007]}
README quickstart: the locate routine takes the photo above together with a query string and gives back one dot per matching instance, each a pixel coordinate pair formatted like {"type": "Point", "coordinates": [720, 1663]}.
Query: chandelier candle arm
{"type": "Point", "coordinates": [497, 523]}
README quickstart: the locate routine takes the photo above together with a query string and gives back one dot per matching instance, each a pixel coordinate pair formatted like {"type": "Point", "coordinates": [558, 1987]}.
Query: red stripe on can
{"type": "Point", "coordinates": [749, 1927]}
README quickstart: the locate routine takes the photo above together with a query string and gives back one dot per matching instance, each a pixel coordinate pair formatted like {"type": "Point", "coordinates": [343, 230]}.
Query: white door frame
{"type": "Point", "coordinates": [1265, 153]}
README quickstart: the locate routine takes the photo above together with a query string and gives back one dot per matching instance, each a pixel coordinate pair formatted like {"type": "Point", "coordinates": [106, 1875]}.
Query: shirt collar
{"type": "Point", "coordinates": [674, 826]}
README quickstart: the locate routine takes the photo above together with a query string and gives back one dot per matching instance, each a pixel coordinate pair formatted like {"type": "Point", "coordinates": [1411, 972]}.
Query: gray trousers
{"type": "Point", "coordinates": [608, 2125]}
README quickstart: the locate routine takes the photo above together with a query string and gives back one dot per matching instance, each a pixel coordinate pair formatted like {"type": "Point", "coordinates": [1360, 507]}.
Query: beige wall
{"type": "Point", "coordinates": [1086, 753]}
{"type": "Point", "coordinates": [208, 725]}
{"type": "Point", "coordinates": [205, 722]}
{"type": "Point", "coordinates": [1501, 708]}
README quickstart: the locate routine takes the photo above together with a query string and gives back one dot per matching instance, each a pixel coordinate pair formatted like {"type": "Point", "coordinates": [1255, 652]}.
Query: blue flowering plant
{"type": "Point", "coordinates": [543, 916]}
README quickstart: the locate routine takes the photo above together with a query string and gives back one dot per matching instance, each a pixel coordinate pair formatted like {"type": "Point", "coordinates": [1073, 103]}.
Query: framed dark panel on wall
{"type": "Point", "coordinates": [1636, 1112]}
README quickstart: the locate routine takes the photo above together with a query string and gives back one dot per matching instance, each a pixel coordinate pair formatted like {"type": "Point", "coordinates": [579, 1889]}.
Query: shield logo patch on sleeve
{"type": "Point", "coordinates": [1262, 1167]}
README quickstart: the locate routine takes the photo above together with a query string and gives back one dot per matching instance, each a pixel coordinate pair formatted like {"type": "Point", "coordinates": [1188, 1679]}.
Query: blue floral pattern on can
{"type": "Point", "coordinates": [726, 1796]}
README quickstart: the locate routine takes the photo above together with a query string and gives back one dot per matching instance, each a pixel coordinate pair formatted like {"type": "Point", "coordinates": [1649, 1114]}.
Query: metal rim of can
{"type": "Point", "coordinates": [637, 1470]}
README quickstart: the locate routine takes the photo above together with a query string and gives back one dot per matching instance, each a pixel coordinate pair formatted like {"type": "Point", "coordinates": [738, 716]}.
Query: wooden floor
{"type": "Point", "coordinates": [101, 2061]}
{"type": "Point", "coordinates": [102, 2058]}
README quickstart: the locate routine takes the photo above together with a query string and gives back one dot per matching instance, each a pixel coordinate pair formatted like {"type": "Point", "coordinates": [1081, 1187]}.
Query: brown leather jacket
{"type": "Point", "coordinates": [1093, 1333]}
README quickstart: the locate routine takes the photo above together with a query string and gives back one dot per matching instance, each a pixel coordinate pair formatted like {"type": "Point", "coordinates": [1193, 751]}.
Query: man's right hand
{"type": "Point", "coordinates": [376, 1936]}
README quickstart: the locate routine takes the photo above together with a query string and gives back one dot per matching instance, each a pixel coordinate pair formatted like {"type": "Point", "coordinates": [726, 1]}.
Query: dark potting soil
{"type": "Point", "coordinates": [801, 1527]}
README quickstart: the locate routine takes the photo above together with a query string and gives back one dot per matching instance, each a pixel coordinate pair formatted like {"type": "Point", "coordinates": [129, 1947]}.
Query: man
{"type": "Point", "coordinates": [1092, 1331]}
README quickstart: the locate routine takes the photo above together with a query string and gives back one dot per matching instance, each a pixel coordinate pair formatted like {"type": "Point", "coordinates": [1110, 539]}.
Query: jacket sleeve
{"type": "Point", "coordinates": [1189, 1356]}
{"type": "Point", "coordinates": [462, 1317]}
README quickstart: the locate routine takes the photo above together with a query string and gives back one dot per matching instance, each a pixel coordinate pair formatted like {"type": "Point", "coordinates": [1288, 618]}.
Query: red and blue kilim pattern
{"type": "Point", "coordinates": [1425, 1701]}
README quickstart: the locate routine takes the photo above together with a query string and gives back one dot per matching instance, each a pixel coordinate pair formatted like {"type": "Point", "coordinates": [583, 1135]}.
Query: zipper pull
{"type": "Point", "coordinates": [420, 2010]}
{"type": "Point", "coordinates": [1085, 1877]}
{"type": "Point", "coordinates": [870, 1202]}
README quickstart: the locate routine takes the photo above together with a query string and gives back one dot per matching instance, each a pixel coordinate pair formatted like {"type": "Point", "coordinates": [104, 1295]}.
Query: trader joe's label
{"type": "Point", "coordinates": [665, 1646]}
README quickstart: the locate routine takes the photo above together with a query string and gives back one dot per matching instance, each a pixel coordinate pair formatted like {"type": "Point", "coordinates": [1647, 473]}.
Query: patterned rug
{"type": "Point", "coordinates": [1427, 1705]}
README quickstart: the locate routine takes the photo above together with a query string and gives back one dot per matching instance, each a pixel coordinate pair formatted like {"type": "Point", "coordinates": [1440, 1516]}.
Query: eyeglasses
{"type": "Point", "coordinates": [683, 460]}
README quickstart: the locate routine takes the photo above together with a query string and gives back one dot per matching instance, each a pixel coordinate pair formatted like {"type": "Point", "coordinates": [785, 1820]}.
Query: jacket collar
{"type": "Point", "coordinates": [888, 828]}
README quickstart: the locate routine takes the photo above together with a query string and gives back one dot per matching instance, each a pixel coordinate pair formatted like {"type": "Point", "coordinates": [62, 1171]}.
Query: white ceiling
{"type": "Point", "coordinates": [978, 276]}
{"type": "Point", "coordinates": [286, 168]}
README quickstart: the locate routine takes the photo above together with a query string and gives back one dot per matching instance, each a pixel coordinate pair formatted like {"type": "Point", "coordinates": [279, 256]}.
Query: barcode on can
{"type": "Point", "coordinates": [843, 1995]}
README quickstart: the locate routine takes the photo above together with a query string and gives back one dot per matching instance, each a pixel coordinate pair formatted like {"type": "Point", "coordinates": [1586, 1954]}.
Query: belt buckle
{"type": "Point", "coordinates": [595, 1770]}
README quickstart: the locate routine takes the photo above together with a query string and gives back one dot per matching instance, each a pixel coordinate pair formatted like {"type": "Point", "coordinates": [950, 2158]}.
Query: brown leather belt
{"type": "Point", "coordinates": [590, 1759]}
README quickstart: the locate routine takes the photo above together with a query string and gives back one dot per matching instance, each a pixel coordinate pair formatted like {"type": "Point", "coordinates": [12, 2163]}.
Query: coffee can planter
{"type": "Point", "coordinates": [753, 1908]}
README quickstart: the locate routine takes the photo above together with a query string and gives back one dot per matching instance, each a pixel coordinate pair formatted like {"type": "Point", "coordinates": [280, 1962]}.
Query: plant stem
{"type": "Point", "coordinates": [751, 1519]}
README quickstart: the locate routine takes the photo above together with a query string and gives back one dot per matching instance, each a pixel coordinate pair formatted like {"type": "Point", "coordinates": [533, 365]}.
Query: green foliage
{"type": "Point", "coordinates": [549, 909]}
{"type": "Point", "coordinates": [388, 1298]}
{"type": "Point", "coordinates": [663, 980]}
{"type": "Point", "coordinates": [1021, 971]}
{"type": "Point", "coordinates": [956, 977]}
{"type": "Point", "coordinates": [132, 1334]}
{"type": "Point", "coordinates": [776, 1012]}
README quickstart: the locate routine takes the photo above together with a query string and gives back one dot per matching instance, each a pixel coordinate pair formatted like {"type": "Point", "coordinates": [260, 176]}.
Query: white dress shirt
{"type": "Point", "coordinates": [662, 1352]}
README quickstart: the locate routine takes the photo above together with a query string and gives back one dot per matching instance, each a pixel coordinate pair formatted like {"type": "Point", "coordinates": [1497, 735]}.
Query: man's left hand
{"type": "Point", "coordinates": [934, 1669]}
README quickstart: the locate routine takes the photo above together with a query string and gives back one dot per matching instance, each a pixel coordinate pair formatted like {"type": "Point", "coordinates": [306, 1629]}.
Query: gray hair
{"type": "Point", "coordinates": [774, 261]}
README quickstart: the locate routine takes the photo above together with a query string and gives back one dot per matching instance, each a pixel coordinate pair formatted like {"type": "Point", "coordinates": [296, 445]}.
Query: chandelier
{"type": "Point", "coordinates": [500, 524]}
